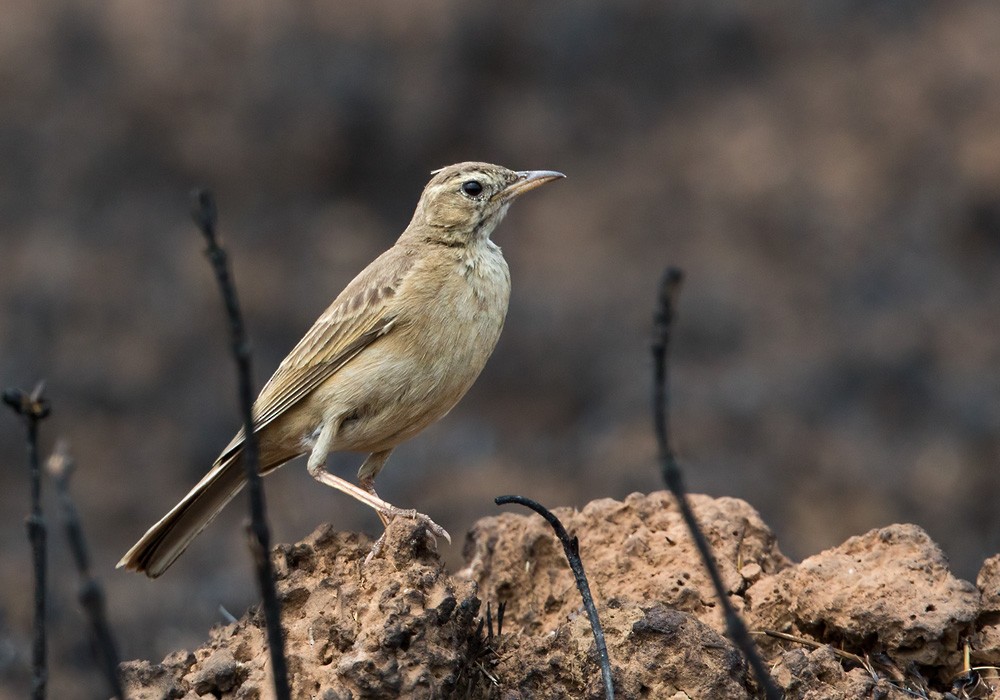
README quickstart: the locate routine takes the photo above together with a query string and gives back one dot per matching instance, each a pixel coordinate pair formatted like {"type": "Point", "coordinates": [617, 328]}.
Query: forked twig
{"type": "Point", "coordinates": [205, 216]}
{"type": "Point", "coordinates": [571, 545]}
{"type": "Point", "coordinates": [91, 596]}
{"type": "Point", "coordinates": [672, 475]}
{"type": "Point", "coordinates": [33, 408]}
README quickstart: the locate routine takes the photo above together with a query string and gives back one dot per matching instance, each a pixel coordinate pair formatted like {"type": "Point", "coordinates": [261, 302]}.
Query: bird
{"type": "Point", "coordinates": [392, 354]}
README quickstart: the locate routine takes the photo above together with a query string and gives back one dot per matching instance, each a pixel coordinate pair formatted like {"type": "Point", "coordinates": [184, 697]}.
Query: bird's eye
{"type": "Point", "coordinates": [473, 188]}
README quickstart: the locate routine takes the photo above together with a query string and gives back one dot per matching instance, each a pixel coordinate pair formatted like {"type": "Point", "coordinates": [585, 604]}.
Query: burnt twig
{"type": "Point", "coordinates": [33, 409]}
{"type": "Point", "coordinates": [663, 319]}
{"type": "Point", "coordinates": [482, 653]}
{"type": "Point", "coordinates": [571, 545]}
{"type": "Point", "coordinates": [91, 596]}
{"type": "Point", "coordinates": [205, 217]}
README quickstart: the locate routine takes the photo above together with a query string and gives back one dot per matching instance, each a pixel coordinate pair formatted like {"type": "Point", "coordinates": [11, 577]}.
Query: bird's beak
{"type": "Point", "coordinates": [527, 180]}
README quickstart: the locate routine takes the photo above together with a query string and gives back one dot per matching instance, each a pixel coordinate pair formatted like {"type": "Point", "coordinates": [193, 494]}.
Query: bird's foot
{"type": "Point", "coordinates": [387, 514]}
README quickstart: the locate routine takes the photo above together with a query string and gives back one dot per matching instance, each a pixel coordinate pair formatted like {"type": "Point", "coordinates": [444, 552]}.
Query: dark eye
{"type": "Point", "coordinates": [472, 188]}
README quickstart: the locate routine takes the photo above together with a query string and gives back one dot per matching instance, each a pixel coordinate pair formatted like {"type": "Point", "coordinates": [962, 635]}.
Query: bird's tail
{"type": "Point", "coordinates": [168, 538]}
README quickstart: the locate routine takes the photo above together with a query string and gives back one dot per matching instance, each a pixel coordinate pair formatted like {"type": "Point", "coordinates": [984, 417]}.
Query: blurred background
{"type": "Point", "coordinates": [826, 172]}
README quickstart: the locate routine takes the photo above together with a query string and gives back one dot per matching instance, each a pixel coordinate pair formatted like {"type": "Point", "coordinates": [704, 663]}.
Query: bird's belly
{"type": "Point", "coordinates": [413, 376]}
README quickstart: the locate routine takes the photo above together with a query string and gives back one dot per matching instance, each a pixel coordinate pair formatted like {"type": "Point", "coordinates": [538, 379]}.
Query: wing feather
{"type": "Point", "coordinates": [361, 314]}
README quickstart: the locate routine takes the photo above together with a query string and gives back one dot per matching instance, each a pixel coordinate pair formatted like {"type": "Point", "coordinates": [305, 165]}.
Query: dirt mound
{"type": "Point", "coordinates": [402, 626]}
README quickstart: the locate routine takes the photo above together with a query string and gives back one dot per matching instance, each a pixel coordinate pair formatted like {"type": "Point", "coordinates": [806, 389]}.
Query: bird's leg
{"type": "Point", "coordinates": [366, 493]}
{"type": "Point", "coordinates": [366, 476]}
{"type": "Point", "coordinates": [317, 470]}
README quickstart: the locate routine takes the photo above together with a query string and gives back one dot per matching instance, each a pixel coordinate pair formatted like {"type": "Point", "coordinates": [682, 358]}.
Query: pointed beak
{"type": "Point", "coordinates": [528, 180]}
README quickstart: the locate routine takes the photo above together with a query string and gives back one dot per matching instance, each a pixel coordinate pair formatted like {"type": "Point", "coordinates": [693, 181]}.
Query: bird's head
{"type": "Point", "coordinates": [464, 202]}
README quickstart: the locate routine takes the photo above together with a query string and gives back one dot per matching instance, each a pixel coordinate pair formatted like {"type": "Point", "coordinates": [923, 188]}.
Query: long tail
{"type": "Point", "coordinates": [168, 538]}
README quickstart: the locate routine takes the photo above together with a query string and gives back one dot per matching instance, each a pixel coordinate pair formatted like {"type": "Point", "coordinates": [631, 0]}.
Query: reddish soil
{"type": "Point", "coordinates": [878, 616]}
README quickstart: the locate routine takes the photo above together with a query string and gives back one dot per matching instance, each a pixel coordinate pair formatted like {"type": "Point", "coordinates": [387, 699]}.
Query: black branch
{"type": "Point", "coordinates": [90, 594]}
{"type": "Point", "coordinates": [205, 216]}
{"type": "Point", "coordinates": [674, 478]}
{"type": "Point", "coordinates": [33, 408]}
{"type": "Point", "coordinates": [571, 545]}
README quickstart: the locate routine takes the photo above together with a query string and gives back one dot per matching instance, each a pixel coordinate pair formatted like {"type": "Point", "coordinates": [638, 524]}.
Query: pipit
{"type": "Point", "coordinates": [393, 353]}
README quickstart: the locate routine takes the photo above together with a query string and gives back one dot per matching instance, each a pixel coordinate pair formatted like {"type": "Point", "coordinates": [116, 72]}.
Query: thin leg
{"type": "Point", "coordinates": [372, 466]}
{"type": "Point", "coordinates": [383, 508]}
{"type": "Point", "coordinates": [366, 477]}
{"type": "Point", "coordinates": [317, 470]}
{"type": "Point", "coordinates": [386, 511]}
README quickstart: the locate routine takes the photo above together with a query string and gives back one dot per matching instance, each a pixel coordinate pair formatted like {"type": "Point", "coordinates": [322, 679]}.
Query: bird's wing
{"type": "Point", "coordinates": [362, 313]}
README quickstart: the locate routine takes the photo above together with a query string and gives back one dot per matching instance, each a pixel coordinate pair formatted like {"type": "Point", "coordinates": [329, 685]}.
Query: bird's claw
{"type": "Point", "coordinates": [389, 514]}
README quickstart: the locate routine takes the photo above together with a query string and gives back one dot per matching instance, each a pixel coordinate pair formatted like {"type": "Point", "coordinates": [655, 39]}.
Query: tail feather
{"type": "Point", "coordinates": [168, 538]}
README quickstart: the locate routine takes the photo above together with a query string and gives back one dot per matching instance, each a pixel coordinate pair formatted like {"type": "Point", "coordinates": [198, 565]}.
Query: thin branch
{"type": "Point", "coordinates": [33, 409]}
{"type": "Point", "coordinates": [205, 217]}
{"type": "Point", "coordinates": [60, 465]}
{"type": "Point", "coordinates": [571, 545]}
{"type": "Point", "coordinates": [663, 319]}
{"type": "Point", "coordinates": [846, 655]}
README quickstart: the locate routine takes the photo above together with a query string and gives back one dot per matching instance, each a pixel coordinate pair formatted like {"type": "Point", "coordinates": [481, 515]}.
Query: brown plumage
{"type": "Point", "coordinates": [393, 353]}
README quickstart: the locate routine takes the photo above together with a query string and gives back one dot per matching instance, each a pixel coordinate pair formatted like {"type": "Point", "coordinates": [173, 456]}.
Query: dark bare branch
{"type": "Point", "coordinates": [206, 217]}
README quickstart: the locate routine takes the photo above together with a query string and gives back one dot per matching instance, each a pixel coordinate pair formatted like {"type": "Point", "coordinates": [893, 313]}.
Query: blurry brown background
{"type": "Point", "coordinates": [826, 172]}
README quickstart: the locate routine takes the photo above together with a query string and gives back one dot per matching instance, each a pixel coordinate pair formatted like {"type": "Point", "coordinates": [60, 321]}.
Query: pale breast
{"type": "Point", "coordinates": [451, 311]}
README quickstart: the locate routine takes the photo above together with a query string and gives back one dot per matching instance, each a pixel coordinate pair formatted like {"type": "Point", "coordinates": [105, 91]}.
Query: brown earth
{"type": "Point", "coordinates": [402, 626]}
